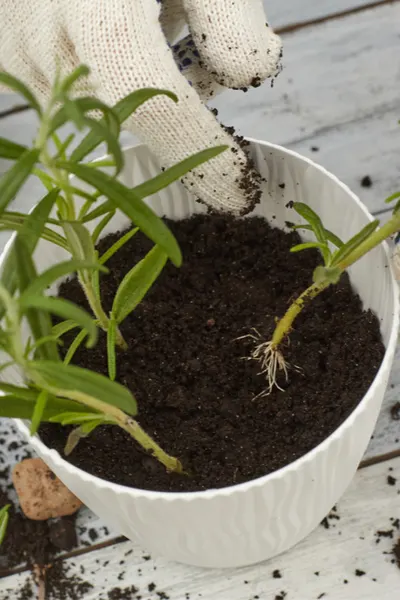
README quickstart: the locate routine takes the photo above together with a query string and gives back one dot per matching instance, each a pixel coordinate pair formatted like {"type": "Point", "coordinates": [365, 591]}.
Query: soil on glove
{"type": "Point", "coordinates": [197, 395]}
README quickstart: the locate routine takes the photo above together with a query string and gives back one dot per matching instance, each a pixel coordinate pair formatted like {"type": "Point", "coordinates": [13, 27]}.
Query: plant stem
{"type": "Point", "coordinates": [117, 416]}
{"type": "Point", "coordinates": [133, 428]}
{"type": "Point", "coordinates": [284, 325]}
{"type": "Point", "coordinates": [376, 238]}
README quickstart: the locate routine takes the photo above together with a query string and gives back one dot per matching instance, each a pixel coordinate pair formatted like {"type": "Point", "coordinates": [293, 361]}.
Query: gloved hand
{"type": "Point", "coordinates": [126, 45]}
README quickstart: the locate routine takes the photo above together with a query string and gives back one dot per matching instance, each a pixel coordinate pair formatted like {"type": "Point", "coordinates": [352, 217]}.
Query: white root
{"type": "Point", "coordinates": [271, 360]}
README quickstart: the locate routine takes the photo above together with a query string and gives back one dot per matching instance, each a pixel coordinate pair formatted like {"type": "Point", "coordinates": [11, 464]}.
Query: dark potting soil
{"type": "Point", "coordinates": [196, 394]}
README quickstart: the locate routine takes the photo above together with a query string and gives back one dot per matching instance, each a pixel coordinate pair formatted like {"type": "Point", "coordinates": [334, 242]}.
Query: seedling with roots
{"type": "Point", "coordinates": [337, 257]}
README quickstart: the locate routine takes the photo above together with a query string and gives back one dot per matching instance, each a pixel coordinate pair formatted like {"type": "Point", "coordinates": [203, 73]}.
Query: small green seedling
{"type": "Point", "coordinates": [337, 256]}
{"type": "Point", "coordinates": [4, 516]}
{"type": "Point", "coordinates": [72, 218]}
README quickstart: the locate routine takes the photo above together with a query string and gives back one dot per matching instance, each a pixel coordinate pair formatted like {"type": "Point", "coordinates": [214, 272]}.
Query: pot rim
{"type": "Point", "coordinates": [57, 459]}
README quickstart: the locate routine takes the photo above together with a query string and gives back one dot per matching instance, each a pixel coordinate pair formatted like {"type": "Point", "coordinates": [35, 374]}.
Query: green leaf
{"type": "Point", "coordinates": [82, 385]}
{"type": "Point", "coordinates": [12, 181]}
{"type": "Point", "coordinates": [70, 80]}
{"type": "Point", "coordinates": [137, 282]}
{"type": "Point", "coordinates": [327, 274]}
{"type": "Point", "coordinates": [103, 209]}
{"type": "Point", "coordinates": [30, 231]}
{"type": "Point", "coordinates": [20, 88]}
{"type": "Point", "coordinates": [330, 236]}
{"type": "Point", "coordinates": [312, 218]}
{"type": "Point", "coordinates": [14, 407]}
{"type": "Point", "coordinates": [62, 147]}
{"type": "Point", "coordinates": [123, 109]}
{"type": "Point", "coordinates": [11, 150]}
{"type": "Point", "coordinates": [111, 358]}
{"type": "Point", "coordinates": [4, 516]}
{"type": "Point", "coordinates": [118, 244]}
{"type": "Point", "coordinates": [354, 242]}
{"type": "Point", "coordinates": [164, 179]}
{"type": "Point", "coordinates": [307, 245]}
{"type": "Point", "coordinates": [74, 346]}
{"type": "Point", "coordinates": [79, 240]}
{"type": "Point", "coordinates": [45, 279]}
{"type": "Point", "coordinates": [392, 197]}
{"type": "Point", "coordinates": [62, 328]}
{"type": "Point", "coordinates": [38, 411]}
{"type": "Point", "coordinates": [107, 129]}
{"type": "Point", "coordinates": [123, 198]}
{"type": "Point", "coordinates": [14, 222]}
{"type": "Point", "coordinates": [111, 140]}
{"type": "Point", "coordinates": [64, 309]}
{"type": "Point", "coordinates": [39, 320]}
{"type": "Point", "coordinates": [79, 433]}
{"type": "Point", "coordinates": [101, 225]}
{"type": "Point", "coordinates": [23, 393]}
{"type": "Point", "coordinates": [29, 346]}
{"type": "Point", "coordinates": [73, 418]}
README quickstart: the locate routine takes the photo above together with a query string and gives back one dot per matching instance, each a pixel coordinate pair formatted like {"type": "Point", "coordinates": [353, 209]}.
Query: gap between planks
{"type": "Point", "coordinates": [121, 539]}
{"type": "Point", "coordinates": [289, 28]}
{"type": "Point", "coordinates": [292, 27]}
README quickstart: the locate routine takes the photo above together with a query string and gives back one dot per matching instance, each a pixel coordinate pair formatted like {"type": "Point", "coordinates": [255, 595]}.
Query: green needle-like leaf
{"type": "Point", "coordinates": [11, 150]}
{"type": "Point", "coordinates": [164, 179]}
{"type": "Point", "coordinates": [312, 218]}
{"type": "Point", "coordinates": [64, 309]}
{"type": "Point", "coordinates": [62, 328]}
{"type": "Point", "coordinates": [4, 516]}
{"type": "Point", "coordinates": [79, 240]}
{"type": "Point", "coordinates": [82, 385]}
{"type": "Point", "coordinates": [14, 407]}
{"type": "Point", "coordinates": [48, 277]}
{"type": "Point", "coordinates": [30, 232]}
{"type": "Point", "coordinates": [137, 282]}
{"type": "Point", "coordinates": [12, 181]}
{"type": "Point", "coordinates": [20, 88]}
{"type": "Point", "coordinates": [111, 357]}
{"type": "Point", "coordinates": [354, 242]}
{"type": "Point", "coordinates": [330, 236]}
{"type": "Point", "coordinates": [123, 109]}
{"type": "Point", "coordinates": [78, 340]}
{"type": "Point", "coordinates": [38, 411]}
{"type": "Point", "coordinates": [39, 320]}
{"type": "Point", "coordinates": [307, 245]}
{"type": "Point", "coordinates": [118, 244]}
{"type": "Point", "coordinates": [123, 198]}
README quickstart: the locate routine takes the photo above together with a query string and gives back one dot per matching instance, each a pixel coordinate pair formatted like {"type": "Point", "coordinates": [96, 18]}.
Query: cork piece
{"type": "Point", "coordinates": [41, 494]}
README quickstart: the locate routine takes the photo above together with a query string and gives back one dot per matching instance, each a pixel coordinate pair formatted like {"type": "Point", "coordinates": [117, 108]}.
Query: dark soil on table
{"type": "Point", "coordinates": [196, 394]}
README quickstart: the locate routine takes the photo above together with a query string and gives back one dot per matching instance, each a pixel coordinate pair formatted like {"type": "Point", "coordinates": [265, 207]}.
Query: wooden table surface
{"type": "Point", "coordinates": [337, 101]}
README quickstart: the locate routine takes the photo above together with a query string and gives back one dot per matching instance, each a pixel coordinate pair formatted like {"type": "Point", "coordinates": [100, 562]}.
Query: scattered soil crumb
{"type": "Point", "coordinates": [395, 411]}
{"type": "Point", "coordinates": [359, 572]}
{"type": "Point", "coordinates": [277, 574]}
{"type": "Point", "coordinates": [366, 181]}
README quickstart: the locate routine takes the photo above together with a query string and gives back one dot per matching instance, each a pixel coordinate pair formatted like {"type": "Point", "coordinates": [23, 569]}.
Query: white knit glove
{"type": "Point", "coordinates": [125, 43]}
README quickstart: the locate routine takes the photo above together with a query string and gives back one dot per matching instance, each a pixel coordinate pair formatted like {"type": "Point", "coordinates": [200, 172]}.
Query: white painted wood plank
{"type": "Point", "coordinates": [8, 101]}
{"type": "Point", "coordinates": [369, 505]}
{"type": "Point", "coordinates": [288, 12]}
{"type": "Point", "coordinates": [386, 437]}
{"type": "Point", "coordinates": [338, 91]}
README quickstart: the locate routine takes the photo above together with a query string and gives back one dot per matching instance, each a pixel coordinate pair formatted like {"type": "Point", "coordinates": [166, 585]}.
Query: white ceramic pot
{"type": "Point", "coordinates": [253, 521]}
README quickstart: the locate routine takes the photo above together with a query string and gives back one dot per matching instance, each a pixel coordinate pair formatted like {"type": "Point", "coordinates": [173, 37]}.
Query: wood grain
{"type": "Point", "coordinates": [318, 565]}
{"type": "Point", "coordinates": [338, 92]}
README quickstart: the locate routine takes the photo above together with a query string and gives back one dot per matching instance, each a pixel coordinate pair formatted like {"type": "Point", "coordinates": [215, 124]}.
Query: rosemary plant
{"type": "Point", "coordinates": [337, 256]}
{"type": "Point", "coordinates": [53, 389]}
